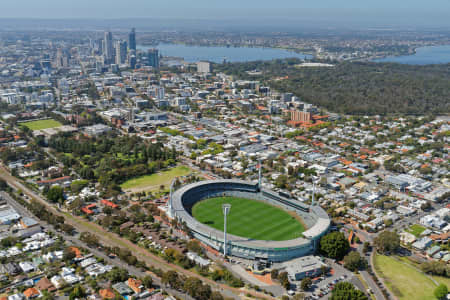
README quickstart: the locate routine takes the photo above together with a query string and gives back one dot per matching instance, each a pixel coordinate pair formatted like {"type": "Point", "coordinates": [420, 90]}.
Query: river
{"type": "Point", "coordinates": [218, 54]}
{"type": "Point", "coordinates": [423, 56]}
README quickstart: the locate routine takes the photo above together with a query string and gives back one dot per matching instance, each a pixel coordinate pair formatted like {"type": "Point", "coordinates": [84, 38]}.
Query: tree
{"type": "Point", "coordinates": [299, 296]}
{"type": "Point", "coordinates": [441, 291]}
{"type": "Point", "coordinates": [56, 194]}
{"type": "Point", "coordinates": [8, 241]}
{"type": "Point", "coordinates": [67, 228]}
{"type": "Point", "coordinates": [284, 280]}
{"type": "Point", "coordinates": [77, 185]}
{"type": "Point", "coordinates": [387, 242]}
{"type": "Point", "coordinates": [203, 292]}
{"type": "Point", "coordinates": [323, 270]}
{"type": "Point", "coordinates": [147, 281]}
{"type": "Point", "coordinates": [274, 274]}
{"type": "Point", "coordinates": [93, 284]}
{"type": "Point", "coordinates": [117, 275]}
{"type": "Point", "coordinates": [89, 238]}
{"type": "Point", "coordinates": [366, 247]}
{"type": "Point", "coordinates": [439, 268]}
{"type": "Point", "coordinates": [388, 222]}
{"type": "Point", "coordinates": [77, 293]}
{"type": "Point", "coordinates": [334, 245]}
{"type": "Point", "coordinates": [425, 206]}
{"type": "Point", "coordinates": [353, 261]}
{"type": "Point", "coordinates": [68, 254]}
{"type": "Point", "coordinates": [46, 295]}
{"type": "Point", "coordinates": [306, 283]}
{"type": "Point", "coordinates": [194, 246]}
{"type": "Point", "coordinates": [216, 296]}
{"type": "Point", "coordinates": [281, 181]}
{"type": "Point", "coordinates": [87, 173]}
{"type": "Point", "coordinates": [3, 185]}
{"type": "Point", "coordinates": [192, 285]}
{"type": "Point", "coordinates": [171, 279]}
{"type": "Point", "coordinates": [347, 291]}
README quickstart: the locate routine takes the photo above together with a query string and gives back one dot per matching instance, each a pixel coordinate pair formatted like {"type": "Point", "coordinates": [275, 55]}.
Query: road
{"type": "Point", "coordinates": [113, 240]}
{"type": "Point", "coordinates": [76, 242]}
{"type": "Point", "coordinates": [367, 237]}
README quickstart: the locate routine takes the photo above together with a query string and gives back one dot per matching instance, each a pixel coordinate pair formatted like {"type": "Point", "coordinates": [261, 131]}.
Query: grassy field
{"type": "Point", "coordinates": [154, 181]}
{"type": "Point", "coordinates": [249, 218]}
{"type": "Point", "coordinates": [416, 229]}
{"type": "Point", "coordinates": [42, 124]}
{"type": "Point", "coordinates": [405, 281]}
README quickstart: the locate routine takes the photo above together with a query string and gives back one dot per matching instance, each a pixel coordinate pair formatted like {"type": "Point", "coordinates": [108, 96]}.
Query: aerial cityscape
{"type": "Point", "coordinates": [210, 150]}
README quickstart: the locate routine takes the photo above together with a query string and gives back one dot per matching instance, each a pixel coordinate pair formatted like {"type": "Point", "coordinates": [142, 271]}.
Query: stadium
{"type": "Point", "coordinates": [266, 225]}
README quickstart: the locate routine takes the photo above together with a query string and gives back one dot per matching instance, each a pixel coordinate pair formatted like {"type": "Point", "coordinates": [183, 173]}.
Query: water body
{"type": "Point", "coordinates": [218, 54]}
{"type": "Point", "coordinates": [423, 56]}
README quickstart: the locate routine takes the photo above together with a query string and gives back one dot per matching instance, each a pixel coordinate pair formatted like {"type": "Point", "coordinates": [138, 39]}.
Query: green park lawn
{"type": "Point", "coordinates": [154, 181]}
{"type": "Point", "coordinates": [416, 229]}
{"type": "Point", "coordinates": [249, 218]}
{"type": "Point", "coordinates": [404, 281]}
{"type": "Point", "coordinates": [42, 124]}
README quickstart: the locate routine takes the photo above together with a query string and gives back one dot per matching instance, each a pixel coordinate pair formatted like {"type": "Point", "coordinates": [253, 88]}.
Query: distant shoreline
{"type": "Point", "coordinates": [411, 52]}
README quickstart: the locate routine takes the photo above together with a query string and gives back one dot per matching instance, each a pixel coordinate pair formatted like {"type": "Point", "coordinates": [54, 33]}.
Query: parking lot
{"type": "Point", "coordinates": [323, 285]}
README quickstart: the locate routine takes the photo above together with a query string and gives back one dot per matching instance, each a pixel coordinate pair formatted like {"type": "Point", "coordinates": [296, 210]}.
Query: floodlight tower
{"type": "Point", "coordinates": [170, 196]}
{"type": "Point", "coordinates": [314, 190]}
{"type": "Point", "coordinates": [226, 210]}
{"type": "Point", "coordinates": [259, 173]}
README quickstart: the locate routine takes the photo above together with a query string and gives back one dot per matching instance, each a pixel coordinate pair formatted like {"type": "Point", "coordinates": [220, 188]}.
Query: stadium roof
{"type": "Point", "coordinates": [321, 225]}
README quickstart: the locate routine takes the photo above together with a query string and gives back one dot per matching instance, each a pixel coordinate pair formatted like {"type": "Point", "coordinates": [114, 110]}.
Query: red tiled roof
{"type": "Point", "coordinates": [54, 180]}
{"type": "Point", "coordinates": [31, 292]}
{"type": "Point", "coordinates": [109, 203]}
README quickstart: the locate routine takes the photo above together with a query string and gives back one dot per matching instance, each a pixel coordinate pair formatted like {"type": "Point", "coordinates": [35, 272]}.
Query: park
{"type": "Point", "coordinates": [41, 124]}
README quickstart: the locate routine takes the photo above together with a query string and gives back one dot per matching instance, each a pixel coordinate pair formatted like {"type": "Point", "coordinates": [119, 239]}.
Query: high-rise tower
{"type": "Point", "coordinates": [108, 50]}
{"type": "Point", "coordinates": [153, 58]}
{"type": "Point", "coordinates": [132, 39]}
{"type": "Point", "coordinates": [121, 52]}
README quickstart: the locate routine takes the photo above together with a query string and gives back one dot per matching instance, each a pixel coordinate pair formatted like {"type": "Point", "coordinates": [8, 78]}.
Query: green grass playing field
{"type": "Point", "coordinates": [249, 218]}
{"type": "Point", "coordinates": [42, 124]}
{"type": "Point", "coordinates": [153, 181]}
{"type": "Point", "coordinates": [405, 281]}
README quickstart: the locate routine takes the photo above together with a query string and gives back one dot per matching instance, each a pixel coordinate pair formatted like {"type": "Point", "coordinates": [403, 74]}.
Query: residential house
{"type": "Point", "coordinates": [31, 293]}
{"type": "Point", "coordinates": [45, 285]}
{"type": "Point", "coordinates": [135, 285]}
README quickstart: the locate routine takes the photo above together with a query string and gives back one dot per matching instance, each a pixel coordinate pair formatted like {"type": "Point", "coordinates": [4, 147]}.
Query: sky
{"type": "Point", "coordinates": [389, 12]}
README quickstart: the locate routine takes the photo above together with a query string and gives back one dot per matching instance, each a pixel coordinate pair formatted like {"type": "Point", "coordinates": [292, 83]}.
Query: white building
{"type": "Point", "coordinates": [203, 67]}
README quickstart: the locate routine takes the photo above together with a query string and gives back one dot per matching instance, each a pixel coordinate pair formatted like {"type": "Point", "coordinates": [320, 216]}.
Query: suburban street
{"type": "Point", "coordinates": [112, 240]}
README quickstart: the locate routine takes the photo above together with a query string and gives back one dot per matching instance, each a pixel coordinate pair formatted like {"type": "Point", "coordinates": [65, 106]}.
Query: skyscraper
{"type": "Point", "coordinates": [121, 52]}
{"type": "Point", "coordinates": [153, 58]}
{"type": "Point", "coordinates": [132, 39]}
{"type": "Point", "coordinates": [132, 61]}
{"type": "Point", "coordinates": [108, 47]}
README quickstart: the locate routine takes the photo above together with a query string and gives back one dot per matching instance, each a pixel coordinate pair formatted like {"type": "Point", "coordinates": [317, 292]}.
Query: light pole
{"type": "Point", "coordinates": [226, 210]}
{"type": "Point", "coordinates": [170, 197]}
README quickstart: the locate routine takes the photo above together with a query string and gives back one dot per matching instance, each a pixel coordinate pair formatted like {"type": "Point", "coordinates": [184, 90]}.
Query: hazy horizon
{"type": "Point", "coordinates": [415, 14]}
